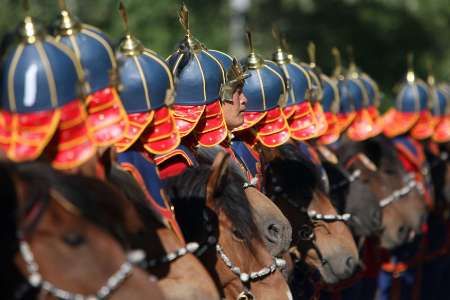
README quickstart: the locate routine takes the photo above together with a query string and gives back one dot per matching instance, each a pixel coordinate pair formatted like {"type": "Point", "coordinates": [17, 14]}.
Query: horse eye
{"type": "Point", "coordinates": [74, 239]}
{"type": "Point", "coordinates": [237, 234]}
{"type": "Point", "coordinates": [390, 171]}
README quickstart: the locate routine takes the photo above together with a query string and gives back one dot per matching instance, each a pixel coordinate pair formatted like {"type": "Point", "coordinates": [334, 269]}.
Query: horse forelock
{"type": "Point", "coordinates": [188, 192]}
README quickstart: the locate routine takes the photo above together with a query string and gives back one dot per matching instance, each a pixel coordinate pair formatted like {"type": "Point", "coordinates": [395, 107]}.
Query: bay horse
{"type": "Point", "coordinates": [211, 206]}
{"type": "Point", "coordinates": [321, 239]}
{"type": "Point", "coordinates": [64, 236]}
{"type": "Point", "coordinates": [404, 210]}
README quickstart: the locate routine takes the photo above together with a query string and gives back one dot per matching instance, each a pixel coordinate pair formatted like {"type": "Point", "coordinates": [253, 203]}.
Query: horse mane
{"type": "Point", "coordinates": [188, 192]}
{"type": "Point", "coordinates": [339, 184]}
{"type": "Point", "coordinates": [293, 175]}
{"type": "Point", "coordinates": [378, 148]}
{"type": "Point", "coordinates": [132, 192]}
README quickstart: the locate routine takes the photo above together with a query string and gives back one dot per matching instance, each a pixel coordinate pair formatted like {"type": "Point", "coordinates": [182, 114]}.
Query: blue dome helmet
{"type": "Point", "coordinates": [198, 80]}
{"type": "Point", "coordinates": [41, 109]}
{"type": "Point", "coordinates": [411, 103]}
{"type": "Point", "coordinates": [146, 90]}
{"type": "Point", "coordinates": [298, 109]}
{"type": "Point", "coordinates": [265, 91]}
{"type": "Point", "coordinates": [106, 116]}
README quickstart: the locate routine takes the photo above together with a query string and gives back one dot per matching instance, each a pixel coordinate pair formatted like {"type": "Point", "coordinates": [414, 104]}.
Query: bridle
{"type": "Point", "coordinates": [244, 277]}
{"type": "Point", "coordinates": [35, 278]}
{"type": "Point", "coordinates": [410, 184]}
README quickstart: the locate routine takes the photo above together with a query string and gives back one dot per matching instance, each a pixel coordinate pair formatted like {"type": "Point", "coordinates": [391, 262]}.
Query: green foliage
{"type": "Point", "coordinates": [380, 31]}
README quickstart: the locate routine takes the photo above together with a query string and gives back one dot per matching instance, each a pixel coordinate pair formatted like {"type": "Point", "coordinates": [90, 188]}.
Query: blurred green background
{"type": "Point", "coordinates": [380, 31]}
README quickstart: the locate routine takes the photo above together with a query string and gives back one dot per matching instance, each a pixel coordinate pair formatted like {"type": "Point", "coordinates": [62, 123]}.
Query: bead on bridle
{"type": "Point", "coordinates": [411, 183]}
{"type": "Point", "coordinates": [36, 280]}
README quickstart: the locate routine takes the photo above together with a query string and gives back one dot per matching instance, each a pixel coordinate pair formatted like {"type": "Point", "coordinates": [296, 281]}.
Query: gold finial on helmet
{"type": "Point", "coordinates": [190, 41]}
{"type": "Point", "coordinates": [66, 24]}
{"type": "Point", "coordinates": [253, 60]}
{"type": "Point", "coordinates": [410, 76]}
{"type": "Point", "coordinates": [280, 57]}
{"type": "Point", "coordinates": [312, 54]}
{"type": "Point", "coordinates": [430, 78]}
{"type": "Point", "coordinates": [337, 61]}
{"type": "Point", "coordinates": [29, 31]}
{"type": "Point", "coordinates": [352, 68]}
{"type": "Point", "coordinates": [287, 49]}
{"type": "Point", "coordinates": [129, 44]}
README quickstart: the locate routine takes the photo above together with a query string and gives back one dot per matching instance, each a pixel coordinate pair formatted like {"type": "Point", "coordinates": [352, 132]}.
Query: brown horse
{"type": "Point", "coordinates": [211, 206]}
{"type": "Point", "coordinates": [180, 274]}
{"type": "Point", "coordinates": [404, 209]}
{"type": "Point", "coordinates": [68, 247]}
{"type": "Point", "coordinates": [273, 226]}
{"type": "Point", "coordinates": [322, 238]}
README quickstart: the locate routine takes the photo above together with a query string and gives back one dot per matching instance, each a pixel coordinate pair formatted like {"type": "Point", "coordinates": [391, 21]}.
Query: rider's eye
{"type": "Point", "coordinates": [74, 239]}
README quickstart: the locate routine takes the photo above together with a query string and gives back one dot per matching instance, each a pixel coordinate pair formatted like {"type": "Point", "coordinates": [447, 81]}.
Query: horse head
{"type": "Point", "coordinates": [321, 239]}
{"type": "Point", "coordinates": [211, 206]}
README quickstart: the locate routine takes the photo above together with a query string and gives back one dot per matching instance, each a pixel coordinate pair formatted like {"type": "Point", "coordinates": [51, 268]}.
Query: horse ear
{"type": "Point", "coordinates": [217, 171]}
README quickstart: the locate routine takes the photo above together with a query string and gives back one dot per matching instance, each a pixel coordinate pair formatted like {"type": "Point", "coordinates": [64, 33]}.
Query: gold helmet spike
{"type": "Point", "coordinates": [430, 78]}
{"type": "Point", "coordinates": [29, 31]}
{"type": "Point", "coordinates": [66, 24]}
{"type": "Point", "coordinates": [410, 76]}
{"type": "Point", "coordinates": [352, 68]}
{"type": "Point", "coordinates": [253, 60]}
{"type": "Point", "coordinates": [280, 57]}
{"type": "Point", "coordinates": [129, 45]}
{"type": "Point", "coordinates": [312, 54]}
{"type": "Point", "coordinates": [183, 18]}
{"type": "Point", "coordinates": [337, 61]}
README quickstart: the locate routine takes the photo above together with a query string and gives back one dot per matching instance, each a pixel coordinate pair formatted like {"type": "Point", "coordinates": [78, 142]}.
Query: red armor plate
{"type": "Point", "coordinates": [424, 127]}
{"type": "Point", "coordinates": [211, 130]}
{"type": "Point", "coordinates": [137, 123]}
{"type": "Point", "coordinates": [106, 120]}
{"type": "Point", "coordinates": [187, 117]}
{"type": "Point", "coordinates": [442, 130]}
{"type": "Point", "coordinates": [273, 130]}
{"type": "Point", "coordinates": [161, 136]}
{"type": "Point", "coordinates": [396, 123]}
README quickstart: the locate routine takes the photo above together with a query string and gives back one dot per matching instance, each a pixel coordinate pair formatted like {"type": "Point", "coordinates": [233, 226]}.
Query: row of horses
{"type": "Point", "coordinates": [82, 229]}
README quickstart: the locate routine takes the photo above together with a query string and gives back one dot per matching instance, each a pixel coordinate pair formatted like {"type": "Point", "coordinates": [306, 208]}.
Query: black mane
{"type": "Point", "coordinates": [292, 175]}
{"type": "Point", "coordinates": [188, 193]}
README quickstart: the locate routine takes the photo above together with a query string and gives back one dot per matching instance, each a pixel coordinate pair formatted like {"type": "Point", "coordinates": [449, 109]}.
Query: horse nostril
{"type": "Point", "coordinates": [274, 232]}
{"type": "Point", "coordinates": [351, 263]}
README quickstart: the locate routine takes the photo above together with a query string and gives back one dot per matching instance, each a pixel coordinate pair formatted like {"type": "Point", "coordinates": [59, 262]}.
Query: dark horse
{"type": "Point", "coordinates": [321, 239]}
{"type": "Point", "coordinates": [212, 208]}
{"type": "Point", "coordinates": [64, 234]}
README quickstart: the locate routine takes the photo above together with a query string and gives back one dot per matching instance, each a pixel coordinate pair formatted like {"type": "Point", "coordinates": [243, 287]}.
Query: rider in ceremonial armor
{"type": "Point", "coordinates": [264, 122]}
{"type": "Point", "coordinates": [43, 115]}
{"type": "Point", "coordinates": [146, 89]}
{"type": "Point", "coordinates": [106, 117]}
{"type": "Point", "coordinates": [197, 109]}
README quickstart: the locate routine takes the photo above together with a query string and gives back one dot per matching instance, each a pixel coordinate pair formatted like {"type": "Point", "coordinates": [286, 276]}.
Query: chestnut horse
{"type": "Point", "coordinates": [65, 237]}
{"type": "Point", "coordinates": [211, 206]}
{"type": "Point", "coordinates": [322, 238]}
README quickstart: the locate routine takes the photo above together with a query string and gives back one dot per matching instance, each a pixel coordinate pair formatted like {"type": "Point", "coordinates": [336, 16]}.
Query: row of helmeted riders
{"type": "Point", "coordinates": [130, 176]}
